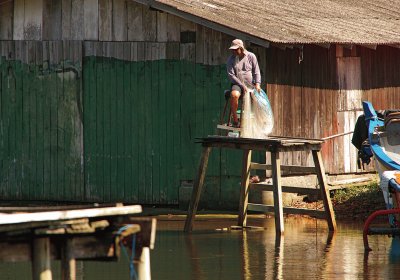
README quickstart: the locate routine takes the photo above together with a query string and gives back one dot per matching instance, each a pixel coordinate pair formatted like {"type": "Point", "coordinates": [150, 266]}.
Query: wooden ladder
{"type": "Point", "coordinates": [277, 189]}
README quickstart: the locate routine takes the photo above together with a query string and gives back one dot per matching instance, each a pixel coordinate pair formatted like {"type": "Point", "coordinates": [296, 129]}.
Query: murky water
{"type": "Point", "coordinates": [306, 251]}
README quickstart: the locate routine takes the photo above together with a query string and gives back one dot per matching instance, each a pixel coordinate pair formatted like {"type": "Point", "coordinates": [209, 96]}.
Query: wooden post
{"type": "Point", "coordinates": [41, 267]}
{"type": "Point", "coordinates": [244, 190]}
{"type": "Point", "coordinates": [144, 272]}
{"type": "Point", "coordinates": [319, 166]}
{"type": "Point", "coordinates": [68, 262]}
{"type": "Point", "coordinates": [276, 180]}
{"type": "Point", "coordinates": [197, 187]}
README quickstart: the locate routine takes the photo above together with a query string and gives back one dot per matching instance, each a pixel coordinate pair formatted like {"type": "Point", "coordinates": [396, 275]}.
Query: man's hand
{"type": "Point", "coordinates": [258, 88]}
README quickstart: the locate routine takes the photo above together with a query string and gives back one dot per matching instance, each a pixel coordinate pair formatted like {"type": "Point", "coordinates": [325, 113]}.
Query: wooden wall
{"type": "Point", "coordinates": [140, 85]}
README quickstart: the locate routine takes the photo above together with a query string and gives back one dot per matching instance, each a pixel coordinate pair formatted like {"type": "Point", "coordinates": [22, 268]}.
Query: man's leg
{"type": "Point", "coordinates": [234, 105]}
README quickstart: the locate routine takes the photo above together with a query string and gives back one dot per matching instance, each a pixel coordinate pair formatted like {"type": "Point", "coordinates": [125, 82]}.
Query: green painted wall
{"type": "Point", "coordinates": [118, 131]}
{"type": "Point", "coordinates": [40, 133]}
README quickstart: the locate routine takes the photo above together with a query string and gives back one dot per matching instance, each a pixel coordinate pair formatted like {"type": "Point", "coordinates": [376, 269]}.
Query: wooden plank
{"type": "Point", "coordinates": [66, 15]}
{"type": "Point", "coordinates": [173, 28]}
{"type": "Point", "coordinates": [197, 187]}
{"type": "Point", "coordinates": [244, 189]}
{"type": "Point", "coordinates": [276, 178]}
{"type": "Point", "coordinates": [135, 21]}
{"type": "Point", "coordinates": [288, 189]}
{"type": "Point", "coordinates": [52, 25]}
{"type": "Point", "coordinates": [162, 30]}
{"type": "Point", "coordinates": [91, 19]}
{"type": "Point", "coordinates": [330, 215]}
{"type": "Point", "coordinates": [119, 18]}
{"type": "Point", "coordinates": [105, 22]}
{"type": "Point", "coordinates": [33, 20]}
{"type": "Point", "coordinates": [288, 210]}
{"type": "Point", "coordinates": [149, 22]}
{"type": "Point", "coordinates": [69, 214]}
{"type": "Point", "coordinates": [78, 20]}
{"type": "Point", "coordinates": [285, 168]}
{"type": "Point", "coordinates": [6, 20]}
{"type": "Point", "coordinates": [18, 19]}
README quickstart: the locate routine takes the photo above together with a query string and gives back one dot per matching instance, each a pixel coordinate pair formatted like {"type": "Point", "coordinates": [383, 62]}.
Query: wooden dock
{"type": "Point", "coordinates": [96, 233]}
{"type": "Point", "coordinates": [274, 146]}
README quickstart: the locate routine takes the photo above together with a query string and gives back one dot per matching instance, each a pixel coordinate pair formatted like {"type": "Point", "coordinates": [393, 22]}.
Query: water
{"type": "Point", "coordinates": [306, 251]}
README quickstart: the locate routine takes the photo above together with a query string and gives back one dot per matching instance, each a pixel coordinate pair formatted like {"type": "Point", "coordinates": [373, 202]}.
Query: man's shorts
{"type": "Point", "coordinates": [237, 88]}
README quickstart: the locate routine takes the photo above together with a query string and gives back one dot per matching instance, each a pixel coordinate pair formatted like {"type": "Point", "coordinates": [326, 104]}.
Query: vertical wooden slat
{"type": "Point", "coordinates": [52, 25]}
{"type": "Point", "coordinates": [33, 20]}
{"type": "Point", "coordinates": [105, 20]}
{"type": "Point", "coordinates": [91, 19]}
{"type": "Point", "coordinates": [134, 102]}
{"type": "Point", "coordinates": [149, 22]}
{"type": "Point", "coordinates": [66, 15]}
{"type": "Point", "coordinates": [135, 21]}
{"type": "Point", "coordinates": [18, 19]}
{"type": "Point", "coordinates": [6, 20]}
{"type": "Point", "coordinates": [142, 138]}
{"type": "Point", "coordinates": [79, 22]}
{"type": "Point", "coordinates": [162, 19]}
{"type": "Point", "coordinates": [119, 20]}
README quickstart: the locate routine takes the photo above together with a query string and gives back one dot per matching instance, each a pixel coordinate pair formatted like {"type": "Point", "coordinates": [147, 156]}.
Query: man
{"type": "Point", "coordinates": [242, 67]}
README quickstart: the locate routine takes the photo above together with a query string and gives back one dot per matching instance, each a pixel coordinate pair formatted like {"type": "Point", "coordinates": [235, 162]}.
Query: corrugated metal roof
{"type": "Point", "coordinates": [299, 21]}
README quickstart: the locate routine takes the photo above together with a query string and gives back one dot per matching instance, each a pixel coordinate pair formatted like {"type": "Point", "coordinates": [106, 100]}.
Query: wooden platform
{"type": "Point", "coordinates": [76, 234]}
{"type": "Point", "coordinates": [273, 145]}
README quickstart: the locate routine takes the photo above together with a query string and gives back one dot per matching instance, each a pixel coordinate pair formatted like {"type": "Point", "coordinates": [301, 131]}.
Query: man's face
{"type": "Point", "coordinates": [237, 51]}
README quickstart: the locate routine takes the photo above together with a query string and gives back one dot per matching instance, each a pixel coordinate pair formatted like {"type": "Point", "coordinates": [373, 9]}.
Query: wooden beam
{"type": "Point", "coordinates": [196, 19]}
{"type": "Point", "coordinates": [41, 264]}
{"type": "Point", "coordinates": [370, 46]}
{"type": "Point", "coordinates": [197, 187]}
{"type": "Point", "coordinates": [397, 46]}
{"type": "Point", "coordinates": [284, 168]}
{"type": "Point", "coordinates": [330, 215]}
{"type": "Point", "coordinates": [276, 179]}
{"type": "Point", "coordinates": [288, 210]}
{"type": "Point", "coordinates": [287, 189]}
{"type": "Point", "coordinates": [68, 262]}
{"type": "Point", "coordinates": [324, 45]}
{"type": "Point", "coordinates": [244, 190]}
{"type": "Point", "coordinates": [71, 214]}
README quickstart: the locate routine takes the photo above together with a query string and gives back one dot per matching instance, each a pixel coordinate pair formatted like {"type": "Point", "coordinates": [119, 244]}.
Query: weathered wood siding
{"type": "Point", "coordinates": [101, 100]}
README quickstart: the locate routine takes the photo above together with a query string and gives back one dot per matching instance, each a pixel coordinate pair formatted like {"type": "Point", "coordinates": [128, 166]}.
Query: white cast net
{"type": "Point", "coordinates": [257, 117]}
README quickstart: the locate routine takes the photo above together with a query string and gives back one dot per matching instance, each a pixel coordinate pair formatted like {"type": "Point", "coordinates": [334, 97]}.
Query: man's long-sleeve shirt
{"type": "Point", "coordinates": [245, 69]}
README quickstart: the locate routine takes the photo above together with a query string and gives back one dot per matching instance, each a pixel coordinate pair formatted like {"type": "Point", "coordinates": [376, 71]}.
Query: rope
{"type": "Point", "coordinates": [132, 271]}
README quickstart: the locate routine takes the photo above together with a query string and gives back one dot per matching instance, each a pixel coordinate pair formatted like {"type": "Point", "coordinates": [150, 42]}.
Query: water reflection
{"type": "Point", "coordinates": [307, 251]}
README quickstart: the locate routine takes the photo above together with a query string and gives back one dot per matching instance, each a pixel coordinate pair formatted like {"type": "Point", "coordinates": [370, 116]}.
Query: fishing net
{"type": "Point", "coordinates": [257, 117]}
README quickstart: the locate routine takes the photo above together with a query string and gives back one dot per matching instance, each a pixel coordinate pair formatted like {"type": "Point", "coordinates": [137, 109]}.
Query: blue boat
{"type": "Point", "coordinates": [383, 138]}
{"type": "Point", "coordinates": [384, 146]}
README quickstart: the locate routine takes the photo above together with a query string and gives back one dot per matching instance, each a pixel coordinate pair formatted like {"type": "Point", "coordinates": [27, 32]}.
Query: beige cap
{"type": "Point", "coordinates": [237, 43]}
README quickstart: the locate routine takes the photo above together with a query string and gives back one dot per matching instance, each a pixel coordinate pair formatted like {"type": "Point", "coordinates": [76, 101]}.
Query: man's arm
{"type": "Point", "coordinates": [256, 73]}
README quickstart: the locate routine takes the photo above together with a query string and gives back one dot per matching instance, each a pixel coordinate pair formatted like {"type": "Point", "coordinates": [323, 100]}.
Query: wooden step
{"type": "Point", "coordinates": [288, 189]}
{"type": "Point", "coordinates": [227, 127]}
{"type": "Point", "coordinates": [288, 210]}
{"type": "Point", "coordinates": [285, 168]}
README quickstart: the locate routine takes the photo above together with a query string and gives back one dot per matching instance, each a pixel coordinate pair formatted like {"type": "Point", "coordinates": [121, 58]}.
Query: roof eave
{"type": "Point", "coordinates": [210, 24]}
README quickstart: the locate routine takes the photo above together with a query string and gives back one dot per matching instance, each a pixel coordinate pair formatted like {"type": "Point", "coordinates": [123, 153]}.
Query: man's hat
{"type": "Point", "coordinates": [237, 43]}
